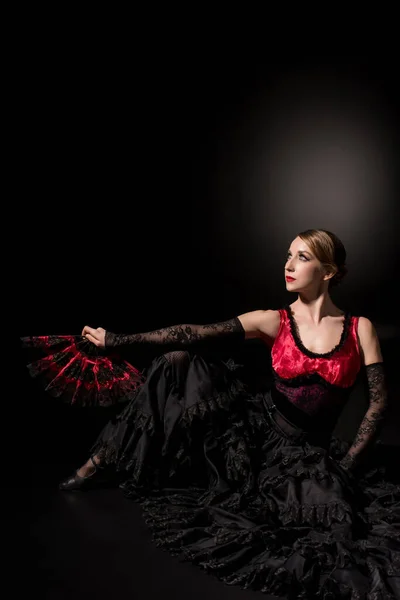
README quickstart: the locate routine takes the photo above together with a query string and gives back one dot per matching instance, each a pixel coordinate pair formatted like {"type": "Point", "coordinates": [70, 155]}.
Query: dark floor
{"type": "Point", "coordinates": [92, 544]}
{"type": "Point", "coordinates": [95, 544]}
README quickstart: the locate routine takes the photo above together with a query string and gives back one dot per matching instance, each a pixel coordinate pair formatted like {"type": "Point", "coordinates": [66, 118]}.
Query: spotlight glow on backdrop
{"type": "Point", "coordinates": [312, 152]}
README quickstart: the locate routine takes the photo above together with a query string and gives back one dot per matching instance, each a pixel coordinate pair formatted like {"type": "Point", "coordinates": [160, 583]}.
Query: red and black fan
{"type": "Point", "coordinates": [77, 371]}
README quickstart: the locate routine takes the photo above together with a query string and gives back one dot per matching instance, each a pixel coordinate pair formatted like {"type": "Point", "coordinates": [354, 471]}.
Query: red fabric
{"type": "Point", "coordinates": [340, 369]}
{"type": "Point", "coordinates": [75, 370]}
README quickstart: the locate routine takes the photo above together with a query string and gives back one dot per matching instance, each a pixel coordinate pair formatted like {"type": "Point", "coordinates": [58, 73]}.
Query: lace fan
{"type": "Point", "coordinates": [78, 372]}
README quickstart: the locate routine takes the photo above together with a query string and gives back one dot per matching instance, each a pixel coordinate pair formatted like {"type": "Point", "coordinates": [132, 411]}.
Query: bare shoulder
{"type": "Point", "coordinates": [260, 323]}
{"type": "Point", "coordinates": [369, 342]}
{"type": "Point", "coordinates": [271, 323]}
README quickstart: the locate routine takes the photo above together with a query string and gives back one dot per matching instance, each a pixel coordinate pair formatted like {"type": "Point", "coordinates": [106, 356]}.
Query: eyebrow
{"type": "Point", "coordinates": [302, 252]}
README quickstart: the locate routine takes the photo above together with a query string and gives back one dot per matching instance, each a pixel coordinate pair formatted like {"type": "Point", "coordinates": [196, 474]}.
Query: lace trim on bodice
{"type": "Point", "coordinates": [296, 335]}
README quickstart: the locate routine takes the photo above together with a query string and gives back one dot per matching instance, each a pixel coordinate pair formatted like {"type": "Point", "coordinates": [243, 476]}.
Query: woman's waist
{"type": "Point", "coordinates": [294, 422]}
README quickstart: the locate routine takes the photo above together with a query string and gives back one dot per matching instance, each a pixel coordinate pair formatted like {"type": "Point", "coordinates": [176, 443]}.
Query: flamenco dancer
{"type": "Point", "coordinates": [252, 486]}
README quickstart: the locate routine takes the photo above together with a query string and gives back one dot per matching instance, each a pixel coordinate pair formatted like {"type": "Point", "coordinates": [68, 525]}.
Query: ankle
{"type": "Point", "coordinates": [96, 459]}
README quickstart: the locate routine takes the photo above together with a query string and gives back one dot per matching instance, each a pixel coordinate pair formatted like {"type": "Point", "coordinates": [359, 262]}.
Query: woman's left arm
{"type": "Point", "coordinates": [377, 392]}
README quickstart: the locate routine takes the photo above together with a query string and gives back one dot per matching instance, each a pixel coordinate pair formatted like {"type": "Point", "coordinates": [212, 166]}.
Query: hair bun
{"type": "Point", "coordinates": [337, 278]}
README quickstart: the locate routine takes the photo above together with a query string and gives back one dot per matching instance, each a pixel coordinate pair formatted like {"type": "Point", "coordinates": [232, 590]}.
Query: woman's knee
{"type": "Point", "coordinates": [178, 362]}
{"type": "Point", "coordinates": [177, 357]}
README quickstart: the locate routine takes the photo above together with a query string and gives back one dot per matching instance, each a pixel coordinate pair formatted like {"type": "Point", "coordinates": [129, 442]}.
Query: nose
{"type": "Point", "coordinates": [288, 261]}
{"type": "Point", "coordinates": [288, 267]}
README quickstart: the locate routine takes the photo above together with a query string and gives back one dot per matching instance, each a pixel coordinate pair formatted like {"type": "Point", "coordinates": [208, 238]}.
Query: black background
{"type": "Point", "coordinates": [116, 137]}
{"type": "Point", "coordinates": [116, 121]}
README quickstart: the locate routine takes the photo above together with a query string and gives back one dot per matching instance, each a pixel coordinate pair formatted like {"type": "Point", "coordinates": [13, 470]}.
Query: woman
{"type": "Point", "coordinates": [252, 485]}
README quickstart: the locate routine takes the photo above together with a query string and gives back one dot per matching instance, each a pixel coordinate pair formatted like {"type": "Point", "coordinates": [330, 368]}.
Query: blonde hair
{"type": "Point", "coordinates": [329, 250]}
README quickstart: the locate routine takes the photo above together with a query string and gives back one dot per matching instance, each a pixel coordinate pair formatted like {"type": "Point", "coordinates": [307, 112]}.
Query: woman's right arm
{"type": "Point", "coordinates": [246, 326]}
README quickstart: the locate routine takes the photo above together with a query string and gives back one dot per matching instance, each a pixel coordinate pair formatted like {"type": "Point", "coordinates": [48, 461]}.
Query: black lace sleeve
{"type": "Point", "coordinates": [372, 422]}
{"type": "Point", "coordinates": [178, 336]}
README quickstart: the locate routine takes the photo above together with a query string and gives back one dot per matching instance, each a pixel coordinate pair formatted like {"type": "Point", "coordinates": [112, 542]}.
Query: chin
{"type": "Point", "coordinates": [293, 286]}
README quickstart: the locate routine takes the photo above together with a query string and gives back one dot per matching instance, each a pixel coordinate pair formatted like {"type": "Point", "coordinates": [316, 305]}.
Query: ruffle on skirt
{"type": "Point", "coordinates": [222, 486]}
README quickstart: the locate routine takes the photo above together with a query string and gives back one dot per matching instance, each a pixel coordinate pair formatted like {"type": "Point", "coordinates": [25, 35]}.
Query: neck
{"type": "Point", "coordinates": [316, 309]}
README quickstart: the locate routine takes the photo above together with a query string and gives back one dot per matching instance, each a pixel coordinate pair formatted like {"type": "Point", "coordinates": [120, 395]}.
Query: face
{"type": "Point", "coordinates": [302, 265]}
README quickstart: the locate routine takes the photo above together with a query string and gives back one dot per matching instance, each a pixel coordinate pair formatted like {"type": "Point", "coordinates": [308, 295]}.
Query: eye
{"type": "Point", "coordinates": [301, 256]}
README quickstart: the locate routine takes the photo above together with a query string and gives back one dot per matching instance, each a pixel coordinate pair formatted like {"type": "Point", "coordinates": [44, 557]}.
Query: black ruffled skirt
{"type": "Point", "coordinates": [227, 482]}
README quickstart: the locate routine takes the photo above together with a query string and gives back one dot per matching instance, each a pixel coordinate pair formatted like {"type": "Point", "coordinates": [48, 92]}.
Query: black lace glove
{"type": "Point", "coordinates": [372, 422]}
{"type": "Point", "coordinates": [180, 336]}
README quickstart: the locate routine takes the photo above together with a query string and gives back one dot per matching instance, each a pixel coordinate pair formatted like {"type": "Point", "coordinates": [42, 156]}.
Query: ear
{"type": "Point", "coordinates": [329, 273]}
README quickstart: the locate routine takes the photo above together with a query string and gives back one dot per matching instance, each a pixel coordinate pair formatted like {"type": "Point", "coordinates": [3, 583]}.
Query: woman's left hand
{"type": "Point", "coordinates": [96, 336]}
